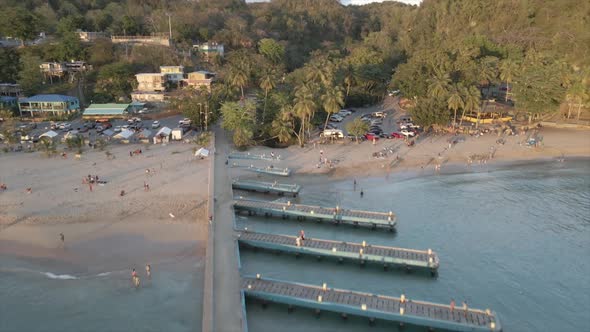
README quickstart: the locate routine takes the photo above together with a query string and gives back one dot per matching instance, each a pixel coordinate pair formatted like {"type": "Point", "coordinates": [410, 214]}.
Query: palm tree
{"type": "Point", "coordinates": [321, 72]}
{"type": "Point", "coordinates": [438, 85]}
{"type": "Point", "coordinates": [471, 100]}
{"type": "Point", "coordinates": [304, 107]}
{"type": "Point", "coordinates": [267, 83]}
{"type": "Point", "coordinates": [455, 102]}
{"type": "Point", "coordinates": [332, 100]}
{"type": "Point", "coordinates": [577, 95]}
{"type": "Point", "coordinates": [349, 77]}
{"type": "Point", "coordinates": [488, 71]}
{"type": "Point", "coordinates": [508, 70]}
{"type": "Point", "coordinates": [239, 76]}
{"type": "Point", "coordinates": [284, 125]}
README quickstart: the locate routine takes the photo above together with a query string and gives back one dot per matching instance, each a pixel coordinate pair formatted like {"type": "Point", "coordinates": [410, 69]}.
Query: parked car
{"type": "Point", "coordinates": [117, 129]}
{"type": "Point", "coordinates": [396, 135]}
{"type": "Point", "coordinates": [82, 129]}
{"type": "Point", "coordinates": [365, 117]}
{"type": "Point", "coordinates": [335, 133]}
{"type": "Point", "coordinates": [371, 136]}
{"type": "Point", "coordinates": [376, 122]}
{"type": "Point", "coordinates": [67, 127]}
{"type": "Point", "coordinates": [407, 133]}
{"type": "Point", "coordinates": [393, 92]}
{"type": "Point", "coordinates": [185, 121]}
{"type": "Point", "coordinates": [155, 124]}
{"type": "Point", "coordinates": [90, 124]}
{"type": "Point", "coordinates": [336, 118]}
{"type": "Point", "coordinates": [385, 136]}
{"type": "Point", "coordinates": [378, 114]}
{"type": "Point", "coordinates": [344, 113]}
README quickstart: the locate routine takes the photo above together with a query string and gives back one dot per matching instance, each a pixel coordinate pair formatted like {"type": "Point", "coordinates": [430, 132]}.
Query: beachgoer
{"type": "Point", "coordinates": [148, 270]}
{"type": "Point", "coordinates": [354, 185]}
{"type": "Point", "coordinates": [62, 237]}
{"type": "Point", "coordinates": [29, 191]}
{"type": "Point", "coordinates": [133, 273]}
{"type": "Point", "coordinates": [130, 153]}
{"type": "Point", "coordinates": [452, 305]}
{"type": "Point", "coordinates": [122, 193]}
{"type": "Point", "coordinates": [362, 193]}
{"type": "Point", "coordinates": [302, 234]}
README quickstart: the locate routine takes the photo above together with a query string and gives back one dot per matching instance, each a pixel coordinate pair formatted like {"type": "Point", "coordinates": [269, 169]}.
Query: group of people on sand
{"type": "Point", "coordinates": [135, 278]}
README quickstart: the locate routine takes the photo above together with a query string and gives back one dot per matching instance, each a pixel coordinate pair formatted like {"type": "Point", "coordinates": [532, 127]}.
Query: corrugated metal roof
{"type": "Point", "coordinates": [106, 109]}
{"type": "Point", "coordinates": [49, 98]}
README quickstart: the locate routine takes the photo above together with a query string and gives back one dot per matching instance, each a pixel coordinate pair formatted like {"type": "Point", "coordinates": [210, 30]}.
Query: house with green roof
{"type": "Point", "coordinates": [48, 105]}
{"type": "Point", "coordinates": [107, 111]}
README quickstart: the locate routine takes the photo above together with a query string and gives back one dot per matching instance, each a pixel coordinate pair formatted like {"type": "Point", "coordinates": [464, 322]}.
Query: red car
{"type": "Point", "coordinates": [370, 136]}
{"type": "Point", "coordinates": [397, 135]}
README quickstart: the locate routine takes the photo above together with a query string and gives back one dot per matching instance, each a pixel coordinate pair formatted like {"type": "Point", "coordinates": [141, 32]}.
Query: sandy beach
{"type": "Point", "coordinates": [100, 226]}
{"type": "Point", "coordinates": [352, 160]}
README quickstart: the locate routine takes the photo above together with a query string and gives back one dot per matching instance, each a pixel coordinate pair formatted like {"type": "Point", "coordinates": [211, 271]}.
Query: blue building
{"type": "Point", "coordinates": [8, 103]}
{"type": "Point", "coordinates": [47, 105]}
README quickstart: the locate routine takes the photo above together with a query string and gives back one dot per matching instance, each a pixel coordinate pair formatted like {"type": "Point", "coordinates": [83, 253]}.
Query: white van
{"type": "Point", "coordinates": [335, 133]}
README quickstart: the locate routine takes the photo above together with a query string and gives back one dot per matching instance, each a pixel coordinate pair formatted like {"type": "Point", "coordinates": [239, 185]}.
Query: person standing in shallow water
{"type": "Point", "coordinates": [362, 193]}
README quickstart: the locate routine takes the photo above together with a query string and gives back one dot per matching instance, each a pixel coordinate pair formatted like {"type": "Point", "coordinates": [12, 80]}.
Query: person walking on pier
{"type": "Point", "coordinates": [452, 305]}
{"type": "Point", "coordinates": [465, 309]}
{"type": "Point", "coordinates": [302, 235]}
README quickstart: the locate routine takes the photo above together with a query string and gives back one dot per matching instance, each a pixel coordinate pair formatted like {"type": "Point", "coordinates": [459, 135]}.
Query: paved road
{"type": "Point", "coordinates": [227, 314]}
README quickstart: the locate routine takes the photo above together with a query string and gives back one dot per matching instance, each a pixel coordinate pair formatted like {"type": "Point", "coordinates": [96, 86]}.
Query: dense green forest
{"type": "Point", "coordinates": [304, 59]}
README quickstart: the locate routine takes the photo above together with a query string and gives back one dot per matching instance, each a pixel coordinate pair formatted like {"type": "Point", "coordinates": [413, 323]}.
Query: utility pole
{"type": "Point", "coordinates": [206, 115]}
{"type": "Point", "coordinates": [169, 25]}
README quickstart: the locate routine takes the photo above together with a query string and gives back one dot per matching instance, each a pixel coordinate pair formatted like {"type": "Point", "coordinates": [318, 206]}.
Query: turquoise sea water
{"type": "Point", "coordinates": [514, 239]}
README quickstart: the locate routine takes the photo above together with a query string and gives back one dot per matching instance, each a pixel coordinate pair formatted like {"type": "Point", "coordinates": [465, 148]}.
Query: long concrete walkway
{"type": "Point", "coordinates": [227, 316]}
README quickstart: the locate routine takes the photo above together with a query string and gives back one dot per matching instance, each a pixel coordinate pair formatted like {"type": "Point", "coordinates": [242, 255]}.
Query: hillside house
{"type": "Point", "coordinates": [148, 96]}
{"type": "Point", "coordinates": [10, 90]}
{"type": "Point", "coordinates": [89, 36]}
{"type": "Point", "coordinates": [209, 50]}
{"type": "Point", "coordinates": [173, 73]}
{"type": "Point", "coordinates": [48, 105]}
{"type": "Point", "coordinates": [151, 82]}
{"type": "Point", "coordinates": [199, 79]}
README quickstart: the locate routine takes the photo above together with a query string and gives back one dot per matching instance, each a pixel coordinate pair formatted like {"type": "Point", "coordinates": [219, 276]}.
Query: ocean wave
{"type": "Point", "coordinates": [59, 276]}
{"type": "Point", "coordinates": [104, 274]}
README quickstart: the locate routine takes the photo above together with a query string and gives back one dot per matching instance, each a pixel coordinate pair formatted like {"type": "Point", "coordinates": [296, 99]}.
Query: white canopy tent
{"type": "Point", "coordinates": [202, 152]}
{"type": "Point", "coordinates": [108, 133]}
{"type": "Point", "coordinates": [164, 132]}
{"type": "Point", "coordinates": [125, 134]}
{"type": "Point", "coordinates": [50, 134]}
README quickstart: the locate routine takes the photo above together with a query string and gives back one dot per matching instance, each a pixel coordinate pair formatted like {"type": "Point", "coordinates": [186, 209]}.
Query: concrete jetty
{"type": "Point", "coordinates": [265, 170]}
{"type": "Point", "coordinates": [356, 252]}
{"type": "Point", "coordinates": [346, 302]}
{"type": "Point", "coordinates": [267, 187]}
{"type": "Point", "coordinates": [336, 215]}
{"type": "Point", "coordinates": [253, 156]}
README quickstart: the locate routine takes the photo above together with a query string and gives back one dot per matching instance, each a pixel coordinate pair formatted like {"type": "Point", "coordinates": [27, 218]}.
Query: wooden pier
{"type": "Point", "coordinates": [336, 215]}
{"type": "Point", "coordinates": [356, 252]}
{"type": "Point", "coordinates": [265, 170]}
{"type": "Point", "coordinates": [252, 156]}
{"type": "Point", "coordinates": [346, 302]}
{"type": "Point", "coordinates": [267, 187]}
